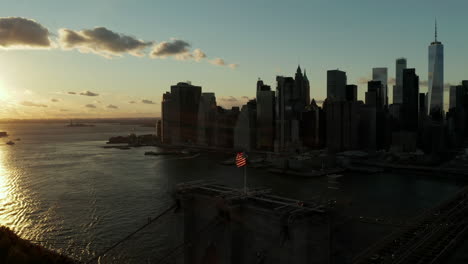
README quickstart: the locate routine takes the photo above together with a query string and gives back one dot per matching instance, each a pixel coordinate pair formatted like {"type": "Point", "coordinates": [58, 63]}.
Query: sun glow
{"type": "Point", "coordinates": [4, 94]}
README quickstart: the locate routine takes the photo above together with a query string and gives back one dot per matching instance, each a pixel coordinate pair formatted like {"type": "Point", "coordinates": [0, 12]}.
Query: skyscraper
{"type": "Point", "coordinates": [336, 85]}
{"type": "Point", "coordinates": [351, 92]}
{"type": "Point", "coordinates": [410, 106]}
{"type": "Point", "coordinates": [398, 87]}
{"type": "Point", "coordinates": [265, 116]}
{"type": "Point", "coordinates": [206, 119]}
{"type": "Point", "coordinates": [182, 111]}
{"type": "Point", "coordinates": [245, 133]}
{"type": "Point", "coordinates": [436, 78]}
{"type": "Point", "coordinates": [284, 109]}
{"type": "Point", "coordinates": [375, 94]}
{"type": "Point", "coordinates": [380, 74]}
{"type": "Point", "coordinates": [302, 88]}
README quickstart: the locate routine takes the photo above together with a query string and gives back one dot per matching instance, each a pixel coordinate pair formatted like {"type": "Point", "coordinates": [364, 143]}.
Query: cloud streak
{"type": "Point", "coordinates": [145, 101]}
{"type": "Point", "coordinates": [90, 106]}
{"type": "Point", "coordinates": [221, 62]}
{"type": "Point", "coordinates": [111, 106]}
{"type": "Point", "coordinates": [19, 32]}
{"type": "Point", "coordinates": [102, 41]}
{"type": "Point", "coordinates": [29, 103]}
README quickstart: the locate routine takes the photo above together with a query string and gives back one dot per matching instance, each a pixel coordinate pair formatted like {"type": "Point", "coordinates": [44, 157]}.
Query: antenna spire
{"type": "Point", "coordinates": [435, 32]}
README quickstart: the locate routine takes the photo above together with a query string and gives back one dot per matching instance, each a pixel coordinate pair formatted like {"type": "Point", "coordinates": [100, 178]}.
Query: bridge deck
{"type": "Point", "coordinates": [428, 239]}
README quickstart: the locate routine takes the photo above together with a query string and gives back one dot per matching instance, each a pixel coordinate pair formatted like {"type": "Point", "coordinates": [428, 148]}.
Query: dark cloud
{"type": "Point", "coordinates": [71, 93]}
{"type": "Point", "coordinates": [90, 106]}
{"type": "Point", "coordinates": [28, 103]}
{"type": "Point", "coordinates": [102, 41]}
{"type": "Point", "coordinates": [423, 82]}
{"type": "Point", "coordinates": [112, 106]}
{"type": "Point", "coordinates": [89, 93]}
{"type": "Point", "coordinates": [221, 62]}
{"type": "Point", "coordinates": [54, 100]}
{"type": "Point", "coordinates": [147, 101]}
{"type": "Point", "coordinates": [132, 102]}
{"type": "Point", "coordinates": [23, 32]}
{"type": "Point", "coordinates": [170, 48]}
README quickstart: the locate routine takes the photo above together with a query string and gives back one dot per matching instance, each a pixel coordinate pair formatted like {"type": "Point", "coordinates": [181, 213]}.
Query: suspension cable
{"type": "Point", "coordinates": [95, 258]}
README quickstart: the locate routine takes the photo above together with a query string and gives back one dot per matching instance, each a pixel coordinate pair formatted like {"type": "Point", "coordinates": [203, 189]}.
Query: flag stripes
{"type": "Point", "coordinates": [241, 160]}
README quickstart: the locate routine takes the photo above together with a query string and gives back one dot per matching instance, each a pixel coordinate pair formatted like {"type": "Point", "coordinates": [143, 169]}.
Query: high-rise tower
{"type": "Point", "coordinates": [436, 78]}
{"type": "Point", "coordinates": [398, 88]}
{"type": "Point", "coordinates": [380, 74]}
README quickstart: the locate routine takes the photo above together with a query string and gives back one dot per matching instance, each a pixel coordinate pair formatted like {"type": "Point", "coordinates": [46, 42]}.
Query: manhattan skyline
{"type": "Point", "coordinates": [131, 86]}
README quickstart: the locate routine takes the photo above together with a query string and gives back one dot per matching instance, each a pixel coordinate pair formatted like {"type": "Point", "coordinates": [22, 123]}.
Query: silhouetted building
{"type": "Point", "coordinates": [225, 122]}
{"type": "Point", "coordinates": [245, 132]}
{"type": "Point", "coordinates": [302, 88]}
{"type": "Point", "coordinates": [374, 94]}
{"type": "Point", "coordinates": [310, 126]}
{"type": "Point", "coordinates": [336, 85]}
{"type": "Point", "coordinates": [368, 127]}
{"type": "Point", "coordinates": [457, 115]}
{"type": "Point", "coordinates": [436, 79]}
{"type": "Point", "coordinates": [159, 130]}
{"type": "Point", "coordinates": [405, 139]}
{"type": "Point", "coordinates": [166, 117]}
{"type": "Point", "coordinates": [351, 92]}
{"type": "Point", "coordinates": [422, 102]}
{"type": "Point", "coordinates": [180, 114]}
{"type": "Point", "coordinates": [342, 125]}
{"type": "Point", "coordinates": [457, 93]}
{"type": "Point", "coordinates": [207, 119]}
{"type": "Point", "coordinates": [265, 116]}
{"type": "Point", "coordinates": [288, 108]}
{"type": "Point", "coordinates": [398, 87]}
{"type": "Point", "coordinates": [380, 74]}
{"type": "Point", "coordinates": [410, 106]}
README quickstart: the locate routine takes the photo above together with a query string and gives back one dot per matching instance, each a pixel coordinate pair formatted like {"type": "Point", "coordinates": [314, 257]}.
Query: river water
{"type": "Point", "coordinates": [61, 189]}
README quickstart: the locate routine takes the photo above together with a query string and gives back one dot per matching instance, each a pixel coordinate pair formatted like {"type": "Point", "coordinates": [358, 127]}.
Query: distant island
{"type": "Point", "coordinates": [78, 124]}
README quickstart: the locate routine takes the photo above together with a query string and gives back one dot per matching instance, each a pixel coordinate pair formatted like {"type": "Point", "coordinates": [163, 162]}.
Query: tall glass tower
{"type": "Point", "coordinates": [398, 88]}
{"type": "Point", "coordinates": [436, 78]}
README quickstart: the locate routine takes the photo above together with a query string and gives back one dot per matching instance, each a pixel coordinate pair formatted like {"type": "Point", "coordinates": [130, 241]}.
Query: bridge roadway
{"type": "Point", "coordinates": [427, 240]}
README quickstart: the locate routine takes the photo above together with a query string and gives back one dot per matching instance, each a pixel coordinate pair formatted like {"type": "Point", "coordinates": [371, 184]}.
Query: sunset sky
{"type": "Point", "coordinates": [115, 58]}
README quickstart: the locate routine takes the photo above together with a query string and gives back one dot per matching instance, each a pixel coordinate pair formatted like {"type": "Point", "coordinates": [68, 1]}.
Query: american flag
{"type": "Point", "coordinates": [241, 159]}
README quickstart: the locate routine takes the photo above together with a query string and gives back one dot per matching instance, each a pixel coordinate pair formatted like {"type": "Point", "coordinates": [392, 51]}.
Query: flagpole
{"type": "Point", "coordinates": [245, 179]}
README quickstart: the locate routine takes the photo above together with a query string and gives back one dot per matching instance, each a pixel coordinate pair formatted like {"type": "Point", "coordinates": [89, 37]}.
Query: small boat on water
{"type": "Point", "coordinates": [10, 143]}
